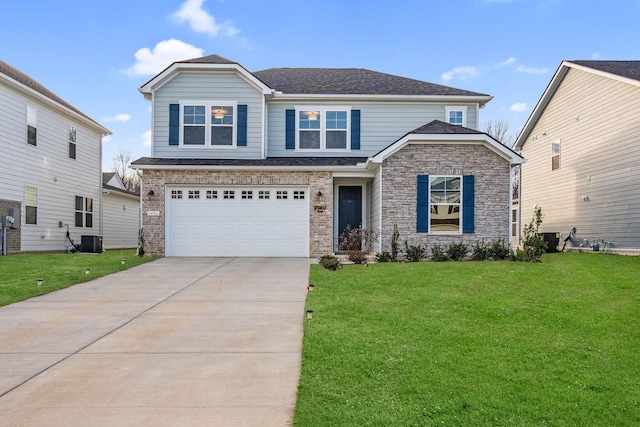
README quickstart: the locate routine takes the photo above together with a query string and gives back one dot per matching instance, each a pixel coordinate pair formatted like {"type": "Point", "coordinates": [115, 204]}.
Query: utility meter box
{"type": "Point", "coordinates": [15, 214]}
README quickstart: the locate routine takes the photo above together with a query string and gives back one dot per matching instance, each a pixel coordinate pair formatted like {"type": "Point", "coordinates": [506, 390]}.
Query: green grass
{"type": "Point", "coordinates": [19, 273]}
{"type": "Point", "coordinates": [474, 343]}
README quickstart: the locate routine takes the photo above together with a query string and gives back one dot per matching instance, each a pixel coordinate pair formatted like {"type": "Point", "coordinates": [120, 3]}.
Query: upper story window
{"type": "Point", "coordinates": [555, 155]}
{"type": "Point", "coordinates": [322, 128]}
{"type": "Point", "coordinates": [456, 115]}
{"type": "Point", "coordinates": [208, 124]}
{"type": "Point", "coordinates": [32, 120]}
{"type": "Point", "coordinates": [71, 138]}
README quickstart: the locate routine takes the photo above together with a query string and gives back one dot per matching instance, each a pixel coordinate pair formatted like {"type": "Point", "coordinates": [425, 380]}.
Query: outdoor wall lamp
{"type": "Point", "coordinates": [319, 194]}
{"type": "Point", "coordinates": [151, 193]}
{"type": "Point", "coordinates": [309, 315]}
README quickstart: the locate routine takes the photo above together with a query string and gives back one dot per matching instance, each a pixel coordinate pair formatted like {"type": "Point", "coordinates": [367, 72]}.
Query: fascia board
{"type": "Point", "coordinates": [462, 139]}
{"type": "Point", "coordinates": [61, 109]}
{"type": "Point", "coordinates": [161, 79]}
{"type": "Point", "coordinates": [336, 169]}
{"type": "Point", "coordinates": [481, 100]}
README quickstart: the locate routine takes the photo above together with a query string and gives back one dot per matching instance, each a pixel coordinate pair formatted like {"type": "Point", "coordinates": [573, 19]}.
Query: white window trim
{"type": "Point", "coordinates": [431, 178]}
{"type": "Point", "coordinates": [207, 126]}
{"type": "Point", "coordinates": [453, 108]}
{"type": "Point", "coordinates": [323, 128]}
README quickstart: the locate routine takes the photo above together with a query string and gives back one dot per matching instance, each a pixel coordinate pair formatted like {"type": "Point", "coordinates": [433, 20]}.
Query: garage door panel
{"type": "Point", "coordinates": [238, 227]}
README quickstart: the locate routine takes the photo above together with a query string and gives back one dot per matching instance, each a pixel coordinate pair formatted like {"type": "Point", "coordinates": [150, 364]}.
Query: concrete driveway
{"type": "Point", "coordinates": [179, 341]}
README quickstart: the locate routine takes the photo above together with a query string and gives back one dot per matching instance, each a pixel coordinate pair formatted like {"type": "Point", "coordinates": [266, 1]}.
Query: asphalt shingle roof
{"type": "Point", "coordinates": [270, 161]}
{"type": "Point", "coordinates": [211, 59]}
{"type": "Point", "coordinates": [438, 127]}
{"type": "Point", "coordinates": [628, 69]}
{"type": "Point", "coordinates": [21, 77]}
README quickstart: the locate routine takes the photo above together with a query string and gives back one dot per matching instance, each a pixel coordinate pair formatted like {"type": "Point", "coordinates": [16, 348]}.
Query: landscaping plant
{"type": "Point", "coordinates": [356, 242]}
{"type": "Point", "coordinates": [533, 244]}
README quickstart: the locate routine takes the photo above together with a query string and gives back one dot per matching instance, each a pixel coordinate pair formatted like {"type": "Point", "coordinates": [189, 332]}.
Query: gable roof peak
{"type": "Point", "coordinates": [623, 68]}
{"type": "Point", "coordinates": [209, 59]}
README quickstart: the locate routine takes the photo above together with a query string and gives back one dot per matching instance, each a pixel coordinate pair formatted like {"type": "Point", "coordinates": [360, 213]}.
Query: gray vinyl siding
{"type": "Point", "coordinates": [381, 124]}
{"type": "Point", "coordinates": [596, 120]}
{"type": "Point", "coordinates": [121, 221]}
{"type": "Point", "coordinates": [207, 86]}
{"type": "Point", "coordinates": [48, 168]}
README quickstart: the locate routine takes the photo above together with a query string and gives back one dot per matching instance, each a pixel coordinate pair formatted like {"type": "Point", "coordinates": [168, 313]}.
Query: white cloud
{"type": "Point", "coordinates": [518, 107]}
{"type": "Point", "coordinates": [122, 117]}
{"type": "Point", "coordinates": [531, 70]}
{"type": "Point", "coordinates": [150, 62]}
{"type": "Point", "coordinates": [146, 138]}
{"type": "Point", "coordinates": [509, 61]}
{"type": "Point", "coordinates": [201, 22]}
{"type": "Point", "coordinates": [459, 72]}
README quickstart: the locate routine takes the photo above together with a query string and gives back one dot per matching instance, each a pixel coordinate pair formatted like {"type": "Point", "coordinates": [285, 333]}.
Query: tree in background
{"type": "Point", "coordinates": [128, 176]}
{"type": "Point", "coordinates": [499, 130]}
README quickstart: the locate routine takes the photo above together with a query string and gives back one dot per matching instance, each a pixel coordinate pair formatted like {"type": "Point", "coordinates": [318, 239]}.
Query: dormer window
{"type": "Point", "coordinates": [323, 128]}
{"type": "Point", "coordinates": [208, 124]}
{"type": "Point", "coordinates": [456, 115]}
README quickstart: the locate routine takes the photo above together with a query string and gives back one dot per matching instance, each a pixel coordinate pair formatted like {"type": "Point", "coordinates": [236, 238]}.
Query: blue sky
{"type": "Point", "coordinates": [96, 54]}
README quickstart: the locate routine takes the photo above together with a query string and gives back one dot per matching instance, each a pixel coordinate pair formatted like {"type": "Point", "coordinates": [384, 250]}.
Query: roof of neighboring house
{"type": "Point", "coordinates": [440, 127]}
{"type": "Point", "coordinates": [108, 176]}
{"type": "Point", "coordinates": [22, 78]}
{"type": "Point", "coordinates": [626, 71]}
{"type": "Point", "coordinates": [269, 162]}
{"type": "Point", "coordinates": [352, 81]}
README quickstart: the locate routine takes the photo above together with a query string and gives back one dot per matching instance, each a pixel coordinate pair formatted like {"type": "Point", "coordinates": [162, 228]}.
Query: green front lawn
{"type": "Point", "coordinates": [19, 273]}
{"type": "Point", "coordinates": [474, 343]}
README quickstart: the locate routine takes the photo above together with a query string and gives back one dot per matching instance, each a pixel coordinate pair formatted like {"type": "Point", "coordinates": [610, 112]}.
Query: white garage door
{"type": "Point", "coordinates": [237, 221]}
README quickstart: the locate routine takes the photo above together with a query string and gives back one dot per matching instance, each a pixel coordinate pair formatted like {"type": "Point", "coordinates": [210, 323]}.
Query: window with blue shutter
{"type": "Point", "coordinates": [242, 125]}
{"type": "Point", "coordinates": [468, 204]}
{"type": "Point", "coordinates": [290, 136]}
{"type": "Point", "coordinates": [422, 225]}
{"type": "Point", "coordinates": [355, 129]}
{"type": "Point", "coordinates": [174, 124]}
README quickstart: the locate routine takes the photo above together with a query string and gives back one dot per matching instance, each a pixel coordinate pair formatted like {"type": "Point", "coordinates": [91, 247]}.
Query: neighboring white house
{"type": "Point", "coordinates": [50, 167]}
{"type": "Point", "coordinates": [121, 213]}
{"type": "Point", "coordinates": [582, 145]}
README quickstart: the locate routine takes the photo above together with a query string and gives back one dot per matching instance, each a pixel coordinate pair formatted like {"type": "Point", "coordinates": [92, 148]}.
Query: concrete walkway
{"type": "Point", "coordinates": [176, 342]}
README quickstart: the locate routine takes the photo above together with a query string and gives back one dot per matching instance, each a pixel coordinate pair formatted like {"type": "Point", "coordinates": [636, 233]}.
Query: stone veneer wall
{"type": "Point", "coordinates": [399, 192]}
{"type": "Point", "coordinates": [13, 234]}
{"type": "Point", "coordinates": [320, 210]}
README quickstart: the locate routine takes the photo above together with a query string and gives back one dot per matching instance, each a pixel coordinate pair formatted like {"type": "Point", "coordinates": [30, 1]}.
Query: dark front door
{"type": "Point", "coordinates": [349, 207]}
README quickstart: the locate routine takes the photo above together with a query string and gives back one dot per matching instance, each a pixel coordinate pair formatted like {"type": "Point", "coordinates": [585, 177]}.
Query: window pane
{"type": "Point", "coordinates": [221, 115]}
{"type": "Point", "coordinates": [79, 203]}
{"type": "Point", "coordinates": [193, 135]}
{"type": "Point", "coordinates": [31, 215]}
{"type": "Point", "coordinates": [31, 196]}
{"type": "Point", "coordinates": [72, 134]}
{"type": "Point", "coordinates": [89, 205]}
{"type": "Point", "coordinates": [336, 139]}
{"type": "Point", "coordinates": [72, 150]}
{"type": "Point", "coordinates": [453, 183]}
{"type": "Point", "coordinates": [336, 119]}
{"type": "Point", "coordinates": [445, 218]}
{"type": "Point", "coordinates": [31, 135]}
{"type": "Point", "coordinates": [89, 220]}
{"type": "Point", "coordinates": [310, 120]}
{"type": "Point", "coordinates": [309, 140]}
{"type": "Point", "coordinates": [555, 162]}
{"type": "Point", "coordinates": [194, 114]}
{"type": "Point", "coordinates": [79, 216]}
{"type": "Point", "coordinates": [221, 135]}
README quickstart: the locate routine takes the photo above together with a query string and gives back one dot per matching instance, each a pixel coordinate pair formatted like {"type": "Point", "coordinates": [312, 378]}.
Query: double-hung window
{"type": "Point", "coordinates": [31, 205]}
{"type": "Point", "coordinates": [456, 115]}
{"type": "Point", "coordinates": [555, 155]}
{"type": "Point", "coordinates": [325, 128]}
{"type": "Point", "coordinates": [446, 204]}
{"type": "Point", "coordinates": [208, 124]}
{"type": "Point", "coordinates": [32, 119]}
{"type": "Point", "coordinates": [84, 212]}
{"type": "Point", "coordinates": [71, 138]}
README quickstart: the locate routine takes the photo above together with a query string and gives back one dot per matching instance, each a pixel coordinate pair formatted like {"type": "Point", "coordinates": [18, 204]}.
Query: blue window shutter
{"type": "Point", "coordinates": [242, 125]}
{"type": "Point", "coordinates": [174, 124]}
{"type": "Point", "coordinates": [422, 225]}
{"type": "Point", "coordinates": [468, 203]}
{"type": "Point", "coordinates": [290, 138]}
{"type": "Point", "coordinates": [355, 129]}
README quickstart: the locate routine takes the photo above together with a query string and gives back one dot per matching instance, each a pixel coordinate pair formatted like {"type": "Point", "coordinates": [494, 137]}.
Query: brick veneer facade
{"type": "Point", "coordinates": [320, 219]}
{"type": "Point", "coordinates": [13, 234]}
{"type": "Point", "coordinates": [399, 192]}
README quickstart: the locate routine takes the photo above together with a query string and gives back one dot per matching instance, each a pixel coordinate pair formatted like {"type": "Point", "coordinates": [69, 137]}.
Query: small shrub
{"type": "Point", "coordinates": [457, 251]}
{"type": "Point", "coordinates": [480, 252]}
{"type": "Point", "coordinates": [330, 262]}
{"type": "Point", "coordinates": [384, 257]}
{"type": "Point", "coordinates": [394, 242]}
{"type": "Point", "coordinates": [438, 253]}
{"type": "Point", "coordinates": [356, 241]}
{"type": "Point", "coordinates": [414, 253]}
{"type": "Point", "coordinates": [533, 244]}
{"type": "Point", "coordinates": [499, 250]}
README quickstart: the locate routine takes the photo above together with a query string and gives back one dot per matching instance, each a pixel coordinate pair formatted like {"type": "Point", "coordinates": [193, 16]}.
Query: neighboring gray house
{"type": "Point", "coordinates": [278, 162]}
{"type": "Point", "coordinates": [582, 145]}
{"type": "Point", "coordinates": [121, 212]}
{"type": "Point", "coordinates": [50, 167]}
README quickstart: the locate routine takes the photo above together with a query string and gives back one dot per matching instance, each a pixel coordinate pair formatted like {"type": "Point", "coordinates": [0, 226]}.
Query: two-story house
{"type": "Point", "coordinates": [50, 167]}
{"type": "Point", "coordinates": [279, 162]}
{"type": "Point", "coordinates": [582, 145]}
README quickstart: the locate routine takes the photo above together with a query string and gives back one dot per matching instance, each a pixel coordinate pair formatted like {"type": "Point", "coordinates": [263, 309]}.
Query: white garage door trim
{"type": "Point", "coordinates": [269, 221]}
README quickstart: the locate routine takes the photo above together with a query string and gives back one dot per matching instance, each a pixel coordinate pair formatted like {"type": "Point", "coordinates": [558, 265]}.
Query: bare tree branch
{"type": "Point", "coordinates": [499, 130]}
{"type": "Point", "coordinates": [121, 168]}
